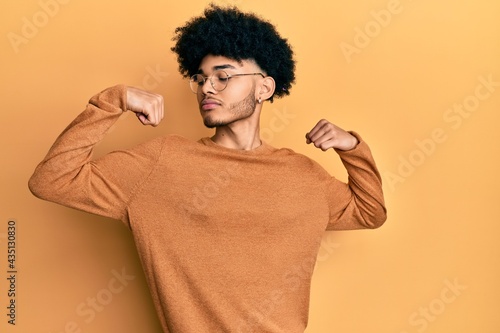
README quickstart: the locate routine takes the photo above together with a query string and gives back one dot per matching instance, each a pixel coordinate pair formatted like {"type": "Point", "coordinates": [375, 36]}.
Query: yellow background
{"type": "Point", "coordinates": [396, 87]}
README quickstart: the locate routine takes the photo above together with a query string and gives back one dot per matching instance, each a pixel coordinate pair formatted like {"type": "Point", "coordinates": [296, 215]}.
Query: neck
{"type": "Point", "coordinates": [243, 134]}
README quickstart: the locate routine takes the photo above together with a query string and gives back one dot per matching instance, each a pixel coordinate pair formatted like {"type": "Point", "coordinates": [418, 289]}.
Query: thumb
{"type": "Point", "coordinates": [308, 141]}
{"type": "Point", "coordinates": [142, 118]}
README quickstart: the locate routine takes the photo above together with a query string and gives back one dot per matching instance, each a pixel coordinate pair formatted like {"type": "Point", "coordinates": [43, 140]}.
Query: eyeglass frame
{"type": "Point", "coordinates": [212, 82]}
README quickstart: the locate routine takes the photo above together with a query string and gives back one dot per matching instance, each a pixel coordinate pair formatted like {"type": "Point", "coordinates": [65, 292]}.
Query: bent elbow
{"type": "Point", "coordinates": [377, 219]}
{"type": "Point", "coordinates": [37, 188]}
{"type": "Point", "coordinates": [43, 186]}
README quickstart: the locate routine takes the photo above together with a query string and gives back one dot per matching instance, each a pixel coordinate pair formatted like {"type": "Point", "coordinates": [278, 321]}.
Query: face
{"type": "Point", "coordinates": [237, 101]}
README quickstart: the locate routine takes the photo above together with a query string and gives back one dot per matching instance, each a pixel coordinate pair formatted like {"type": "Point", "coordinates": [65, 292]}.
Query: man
{"type": "Point", "coordinates": [227, 228]}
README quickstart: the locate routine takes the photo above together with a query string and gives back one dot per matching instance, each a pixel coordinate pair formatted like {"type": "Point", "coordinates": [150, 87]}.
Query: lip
{"type": "Point", "coordinates": [209, 104]}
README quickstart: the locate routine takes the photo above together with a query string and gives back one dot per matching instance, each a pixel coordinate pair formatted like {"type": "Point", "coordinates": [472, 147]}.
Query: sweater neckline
{"type": "Point", "coordinates": [263, 149]}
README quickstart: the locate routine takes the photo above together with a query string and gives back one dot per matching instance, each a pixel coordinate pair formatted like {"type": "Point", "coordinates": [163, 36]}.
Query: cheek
{"type": "Point", "coordinates": [199, 96]}
{"type": "Point", "coordinates": [238, 92]}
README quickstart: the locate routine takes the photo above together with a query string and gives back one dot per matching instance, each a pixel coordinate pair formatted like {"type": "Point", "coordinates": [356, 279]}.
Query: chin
{"type": "Point", "coordinates": [213, 123]}
{"type": "Point", "coordinates": [211, 120]}
{"type": "Point", "coordinates": [210, 125]}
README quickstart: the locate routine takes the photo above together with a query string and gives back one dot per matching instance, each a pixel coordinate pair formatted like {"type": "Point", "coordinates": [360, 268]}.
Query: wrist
{"type": "Point", "coordinates": [351, 142]}
{"type": "Point", "coordinates": [355, 141]}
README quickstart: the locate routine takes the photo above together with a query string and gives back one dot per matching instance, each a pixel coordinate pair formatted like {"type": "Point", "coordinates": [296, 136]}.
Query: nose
{"type": "Point", "coordinates": [207, 86]}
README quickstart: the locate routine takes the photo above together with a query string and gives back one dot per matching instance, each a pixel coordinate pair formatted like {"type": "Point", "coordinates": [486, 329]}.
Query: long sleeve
{"type": "Point", "coordinates": [359, 203]}
{"type": "Point", "coordinates": [68, 175]}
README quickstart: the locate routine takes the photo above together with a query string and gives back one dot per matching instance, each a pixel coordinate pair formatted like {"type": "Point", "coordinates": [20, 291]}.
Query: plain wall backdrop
{"type": "Point", "coordinates": [419, 80]}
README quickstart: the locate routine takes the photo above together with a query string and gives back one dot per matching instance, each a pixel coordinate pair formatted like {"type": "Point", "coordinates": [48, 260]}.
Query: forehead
{"type": "Point", "coordinates": [210, 63]}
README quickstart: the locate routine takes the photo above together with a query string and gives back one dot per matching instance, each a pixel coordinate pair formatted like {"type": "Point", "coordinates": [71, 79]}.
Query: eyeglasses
{"type": "Point", "coordinates": [219, 80]}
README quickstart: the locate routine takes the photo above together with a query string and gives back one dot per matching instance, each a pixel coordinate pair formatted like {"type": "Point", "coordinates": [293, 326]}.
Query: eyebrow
{"type": "Point", "coordinates": [225, 66]}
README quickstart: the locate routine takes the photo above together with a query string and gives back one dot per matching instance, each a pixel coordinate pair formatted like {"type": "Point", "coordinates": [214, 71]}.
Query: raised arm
{"type": "Point", "coordinates": [359, 203]}
{"type": "Point", "coordinates": [69, 176]}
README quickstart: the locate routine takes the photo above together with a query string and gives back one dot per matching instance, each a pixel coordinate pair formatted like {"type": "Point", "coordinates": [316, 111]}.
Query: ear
{"type": "Point", "coordinates": [266, 88]}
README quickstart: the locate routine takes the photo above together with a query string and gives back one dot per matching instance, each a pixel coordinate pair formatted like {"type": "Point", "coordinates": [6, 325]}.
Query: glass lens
{"type": "Point", "coordinates": [219, 80]}
{"type": "Point", "coordinates": [196, 82]}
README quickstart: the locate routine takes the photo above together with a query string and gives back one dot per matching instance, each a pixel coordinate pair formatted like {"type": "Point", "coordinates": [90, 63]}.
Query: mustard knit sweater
{"type": "Point", "coordinates": [228, 239]}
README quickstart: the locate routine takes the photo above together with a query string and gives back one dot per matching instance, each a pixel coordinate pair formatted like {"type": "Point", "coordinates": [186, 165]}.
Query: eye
{"type": "Point", "coordinates": [198, 79]}
{"type": "Point", "coordinates": [221, 76]}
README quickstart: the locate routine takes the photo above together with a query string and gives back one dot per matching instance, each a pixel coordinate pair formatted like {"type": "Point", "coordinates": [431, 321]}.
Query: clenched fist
{"type": "Point", "coordinates": [148, 107]}
{"type": "Point", "coordinates": [326, 135]}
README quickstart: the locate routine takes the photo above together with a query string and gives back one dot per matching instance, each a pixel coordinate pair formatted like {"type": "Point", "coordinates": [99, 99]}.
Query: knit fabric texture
{"type": "Point", "coordinates": [228, 238]}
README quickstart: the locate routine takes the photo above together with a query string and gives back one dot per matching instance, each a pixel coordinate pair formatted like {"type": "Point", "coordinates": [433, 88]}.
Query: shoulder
{"type": "Point", "coordinates": [170, 140]}
{"type": "Point", "coordinates": [300, 161]}
{"type": "Point", "coordinates": [179, 146]}
{"type": "Point", "coordinates": [291, 154]}
{"type": "Point", "coordinates": [159, 144]}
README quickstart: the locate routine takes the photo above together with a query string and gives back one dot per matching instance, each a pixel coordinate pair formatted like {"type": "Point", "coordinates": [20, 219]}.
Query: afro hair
{"type": "Point", "coordinates": [239, 36]}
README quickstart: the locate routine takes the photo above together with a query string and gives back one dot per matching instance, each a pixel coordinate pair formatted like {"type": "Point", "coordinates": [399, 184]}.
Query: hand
{"type": "Point", "coordinates": [326, 135]}
{"type": "Point", "coordinates": [148, 107]}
